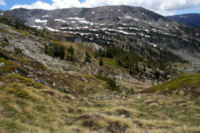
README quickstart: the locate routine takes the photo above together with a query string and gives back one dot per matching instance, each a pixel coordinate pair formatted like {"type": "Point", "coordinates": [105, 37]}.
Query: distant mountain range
{"type": "Point", "coordinates": [187, 19]}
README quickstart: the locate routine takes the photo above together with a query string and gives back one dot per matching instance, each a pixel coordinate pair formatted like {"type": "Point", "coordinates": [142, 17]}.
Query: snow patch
{"type": "Point", "coordinates": [147, 36]}
{"type": "Point", "coordinates": [84, 34]}
{"type": "Point", "coordinates": [45, 16]}
{"type": "Point", "coordinates": [37, 27]}
{"type": "Point", "coordinates": [121, 31]}
{"type": "Point", "coordinates": [40, 21]}
{"type": "Point", "coordinates": [84, 22]}
{"type": "Point", "coordinates": [154, 45]}
{"type": "Point", "coordinates": [146, 30]}
{"type": "Point", "coordinates": [136, 19]}
{"type": "Point", "coordinates": [51, 29]}
{"type": "Point", "coordinates": [76, 18]}
{"type": "Point", "coordinates": [127, 17]}
{"type": "Point", "coordinates": [73, 22]}
{"type": "Point", "coordinates": [134, 28]}
{"type": "Point", "coordinates": [85, 27]}
{"type": "Point", "coordinates": [63, 28]}
{"type": "Point", "coordinates": [60, 20]}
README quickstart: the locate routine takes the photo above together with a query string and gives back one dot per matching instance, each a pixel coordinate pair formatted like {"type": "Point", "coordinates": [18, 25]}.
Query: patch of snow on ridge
{"type": "Point", "coordinates": [60, 20]}
{"type": "Point", "coordinates": [40, 21]}
{"type": "Point", "coordinates": [154, 45]}
{"type": "Point", "coordinates": [127, 17]}
{"type": "Point", "coordinates": [45, 16]}
{"type": "Point", "coordinates": [147, 36]}
{"type": "Point", "coordinates": [51, 29]}
{"type": "Point", "coordinates": [80, 20]}
{"type": "Point", "coordinates": [76, 18]}
{"type": "Point", "coordinates": [37, 27]}
{"type": "Point", "coordinates": [136, 19]}
{"type": "Point", "coordinates": [120, 31]}
{"type": "Point", "coordinates": [84, 22]}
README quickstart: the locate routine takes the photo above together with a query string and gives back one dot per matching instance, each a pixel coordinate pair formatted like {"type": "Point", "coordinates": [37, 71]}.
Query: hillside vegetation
{"type": "Point", "coordinates": [186, 82]}
{"type": "Point", "coordinates": [54, 86]}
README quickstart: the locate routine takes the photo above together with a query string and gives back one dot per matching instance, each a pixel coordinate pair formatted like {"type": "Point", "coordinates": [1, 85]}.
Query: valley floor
{"type": "Point", "coordinates": [29, 107]}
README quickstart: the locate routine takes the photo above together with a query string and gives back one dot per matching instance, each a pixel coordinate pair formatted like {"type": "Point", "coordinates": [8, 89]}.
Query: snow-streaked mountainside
{"type": "Point", "coordinates": [105, 15]}
{"type": "Point", "coordinates": [118, 25]}
{"type": "Point", "coordinates": [187, 19]}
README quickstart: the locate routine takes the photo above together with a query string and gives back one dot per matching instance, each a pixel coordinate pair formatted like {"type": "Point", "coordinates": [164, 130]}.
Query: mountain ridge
{"type": "Point", "coordinates": [190, 19]}
{"type": "Point", "coordinates": [115, 25]}
{"type": "Point", "coordinates": [106, 11]}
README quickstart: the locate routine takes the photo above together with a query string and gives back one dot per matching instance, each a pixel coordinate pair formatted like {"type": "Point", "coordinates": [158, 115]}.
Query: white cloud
{"type": "Point", "coordinates": [36, 5]}
{"type": "Point", "coordinates": [2, 2]}
{"type": "Point", "coordinates": [165, 7]}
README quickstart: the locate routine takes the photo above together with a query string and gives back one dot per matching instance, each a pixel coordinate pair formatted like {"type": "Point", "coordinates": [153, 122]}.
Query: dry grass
{"type": "Point", "coordinates": [29, 107]}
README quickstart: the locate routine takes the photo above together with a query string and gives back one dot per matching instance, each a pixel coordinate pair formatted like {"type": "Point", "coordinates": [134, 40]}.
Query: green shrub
{"type": "Point", "coordinates": [111, 83]}
{"type": "Point", "coordinates": [18, 51]}
{"type": "Point", "coordinates": [17, 90]}
{"type": "Point", "coordinates": [59, 51]}
{"type": "Point", "coordinates": [55, 50]}
{"type": "Point", "coordinates": [70, 54]}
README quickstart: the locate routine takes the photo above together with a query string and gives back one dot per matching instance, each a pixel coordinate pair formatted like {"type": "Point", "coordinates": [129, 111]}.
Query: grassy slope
{"type": "Point", "coordinates": [110, 62]}
{"type": "Point", "coordinates": [186, 80]}
{"type": "Point", "coordinates": [29, 107]}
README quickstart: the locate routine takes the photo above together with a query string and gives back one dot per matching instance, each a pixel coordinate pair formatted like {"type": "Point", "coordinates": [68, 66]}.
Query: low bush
{"type": "Point", "coordinates": [110, 82]}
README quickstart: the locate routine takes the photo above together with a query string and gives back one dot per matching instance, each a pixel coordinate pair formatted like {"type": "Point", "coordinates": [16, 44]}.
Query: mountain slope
{"type": "Point", "coordinates": [187, 19]}
{"type": "Point", "coordinates": [100, 14]}
{"type": "Point", "coordinates": [116, 25]}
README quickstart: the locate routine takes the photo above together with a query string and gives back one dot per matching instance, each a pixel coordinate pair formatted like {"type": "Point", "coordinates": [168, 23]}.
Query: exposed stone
{"type": "Point", "coordinates": [2, 64]}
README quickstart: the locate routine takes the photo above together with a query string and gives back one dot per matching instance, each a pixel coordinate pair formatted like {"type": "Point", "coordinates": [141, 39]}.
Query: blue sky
{"type": "Point", "coordinates": [190, 10]}
{"type": "Point", "coordinates": [164, 7]}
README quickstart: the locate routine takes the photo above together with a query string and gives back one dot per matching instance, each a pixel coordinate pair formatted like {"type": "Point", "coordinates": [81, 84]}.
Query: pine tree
{"type": "Point", "coordinates": [59, 51]}
{"type": "Point", "coordinates": [157, 75]}
{"type": "Point", "coordinates": [144, 68]}
{"type": "Point", "coordinates": [70, 50]}
{"type": "Point", "coordinates": [87, 57]}
{"type": "Point", "coordinates": [70, 54]}
{"type": "Point", "coordinates": [100, 62]}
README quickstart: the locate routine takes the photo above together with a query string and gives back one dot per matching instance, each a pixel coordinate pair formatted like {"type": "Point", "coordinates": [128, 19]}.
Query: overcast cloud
{"type": "Point", "coordinates": [164, 7]}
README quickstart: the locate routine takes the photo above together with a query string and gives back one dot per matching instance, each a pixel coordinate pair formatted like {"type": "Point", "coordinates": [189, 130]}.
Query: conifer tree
{"type": "Point", "coordinates": [87, 57]}
{"type": "Point", "coordinates": [100, 62]}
